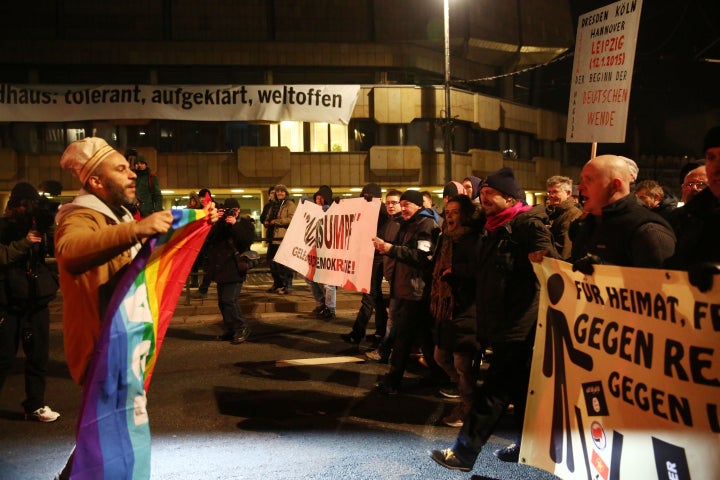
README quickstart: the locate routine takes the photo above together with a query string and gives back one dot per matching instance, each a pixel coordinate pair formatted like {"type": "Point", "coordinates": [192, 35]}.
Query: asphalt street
{"type": "Point", "coordinates": [294, 402]}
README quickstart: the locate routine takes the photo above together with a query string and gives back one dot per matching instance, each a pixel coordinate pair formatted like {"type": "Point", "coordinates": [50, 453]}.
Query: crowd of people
{"type": "Point", "coordinates": [460, 277]}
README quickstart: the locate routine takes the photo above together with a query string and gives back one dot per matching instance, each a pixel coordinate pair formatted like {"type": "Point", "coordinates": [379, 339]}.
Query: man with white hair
{"type": "Point", "coordinates": [617, 229]}
{"type": "Point", "coordinates": [634, 169]}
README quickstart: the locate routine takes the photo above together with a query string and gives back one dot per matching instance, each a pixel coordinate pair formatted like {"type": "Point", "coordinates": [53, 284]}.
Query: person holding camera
{"type": "Point", "coordinates": [24, 314]}
{"type": "Point", "coordinates": [229, 237]}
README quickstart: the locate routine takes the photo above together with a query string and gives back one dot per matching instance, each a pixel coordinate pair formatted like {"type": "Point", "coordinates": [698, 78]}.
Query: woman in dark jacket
{"type": "Point", "coordinates": [229, 237]}
{"type": "Point", "coordinates": [452, 303]}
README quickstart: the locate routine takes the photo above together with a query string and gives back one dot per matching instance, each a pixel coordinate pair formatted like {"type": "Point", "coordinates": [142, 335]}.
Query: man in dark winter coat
{"type": "Point", "coordinates": [561, 210]}
{"type": "Point", "coordinates": [507, 297]}
{"type": "Point", "coordinates": [698, 225]}
{"type": "Point", "coordinates": [24, 320]}
{"type": "Point", "coordinates": [409, 287]}
{"type": "Point", "coordinates": [229, 237]}
{"type": "Point", "coordinates": [655, 198]}
{"type": "Point", "coordinates": [617, 230]}
{"type": "Point", "coordinates": [390, 232]}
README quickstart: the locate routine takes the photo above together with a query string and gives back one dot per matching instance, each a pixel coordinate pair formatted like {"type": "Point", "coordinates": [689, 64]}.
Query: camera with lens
{"type": "Point", "coordinates": [43, 213]}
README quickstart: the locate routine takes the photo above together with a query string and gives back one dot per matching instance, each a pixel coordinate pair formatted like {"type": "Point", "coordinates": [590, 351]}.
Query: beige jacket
{"type": "Point", "coordinates": [282, 221]}
{"type": "Point", "coordinates": [91, 246]}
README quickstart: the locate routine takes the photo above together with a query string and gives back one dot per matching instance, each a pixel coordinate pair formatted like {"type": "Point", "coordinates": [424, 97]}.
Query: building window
{"type": "Point", "coordinates": [287, 134]}
{"type": "Point", "coordinates": [364, 134]}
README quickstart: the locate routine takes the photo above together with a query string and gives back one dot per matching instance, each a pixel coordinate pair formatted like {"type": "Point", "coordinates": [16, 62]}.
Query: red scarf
{"type": "Point", "coordinates": [498, 220]}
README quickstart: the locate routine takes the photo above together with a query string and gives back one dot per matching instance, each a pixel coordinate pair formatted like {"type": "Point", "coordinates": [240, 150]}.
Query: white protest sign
{"type": "Point", "coordinates": [625, 379]}
{"type": "Point", "coordinates": [602, 73]}
{"type": "Point", "coordinates": [332, 247]}
{"type": "Point", "coordinates": [271, 103]}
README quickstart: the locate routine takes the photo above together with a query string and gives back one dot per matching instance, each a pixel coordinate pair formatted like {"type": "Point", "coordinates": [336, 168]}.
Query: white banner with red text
{"type": "Point", "coordinates": [602, 73]}
{"type": "Point", "coordinates": [332, 247]}
{"type": "Point", "coordinates": [625, 379]}
{"type": "Point", "coordinates": [270, 103]}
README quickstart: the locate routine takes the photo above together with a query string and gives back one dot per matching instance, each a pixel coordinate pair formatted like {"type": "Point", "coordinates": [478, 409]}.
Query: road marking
{"type": "Point", "coordinates": [317, 361]}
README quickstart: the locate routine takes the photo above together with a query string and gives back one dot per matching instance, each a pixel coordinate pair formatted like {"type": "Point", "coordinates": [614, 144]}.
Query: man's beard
{"type": "Point", "coordinates": [116, 194]}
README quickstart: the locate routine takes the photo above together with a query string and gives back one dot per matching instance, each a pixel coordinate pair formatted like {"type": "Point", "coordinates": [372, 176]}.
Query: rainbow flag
{"type": "Point", "coordinates": [113, 433]}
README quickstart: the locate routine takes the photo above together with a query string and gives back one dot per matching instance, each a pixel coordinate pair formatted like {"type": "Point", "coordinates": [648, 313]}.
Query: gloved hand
{"type": "Point", "coordinates": [585, 264]}
{"type": "Point", "coordinates": [701, 274]}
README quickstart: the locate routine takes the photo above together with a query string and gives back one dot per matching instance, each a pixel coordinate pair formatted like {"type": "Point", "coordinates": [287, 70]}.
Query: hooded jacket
{"type": "Point", "coordinates": [92, 246]}
{"type": "Point", "coordinates": [326, 193]}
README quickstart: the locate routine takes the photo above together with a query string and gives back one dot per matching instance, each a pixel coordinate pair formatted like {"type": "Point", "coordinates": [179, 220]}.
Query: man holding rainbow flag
{"type": "Point", "coordinates": [120, 280]}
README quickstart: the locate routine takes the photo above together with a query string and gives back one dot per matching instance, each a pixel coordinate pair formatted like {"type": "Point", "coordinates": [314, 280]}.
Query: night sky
{"type": "Point", "coordinates": [672, 80]}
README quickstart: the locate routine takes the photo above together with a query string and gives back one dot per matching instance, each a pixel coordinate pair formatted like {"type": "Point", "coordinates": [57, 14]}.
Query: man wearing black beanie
{"type": "Point", "coordinates": [507, 300]}
{"type": "Point", "coordinates": [411, 254]}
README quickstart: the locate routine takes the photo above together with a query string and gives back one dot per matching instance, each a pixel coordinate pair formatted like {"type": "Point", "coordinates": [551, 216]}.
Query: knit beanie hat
{"type": "Point", "coordinates": [504, 181]}
{"type": "Point", "coordinates": [230, 203]}
{"type": "Point", "coordinates": [413, 196]}
{"type": "Point", "coordinates": [453, 188]}
{"type": "Point", "coordinates": [712, 139]}
{"type": "Point", "coordinates": [83, 156]}
{"type": "Point", "coordinates": [373, 190]}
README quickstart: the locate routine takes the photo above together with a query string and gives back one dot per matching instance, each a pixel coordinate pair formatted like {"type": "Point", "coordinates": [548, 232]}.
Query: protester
{"type": "Point", "coordinates": [507, 297]}
{"type": "Point", "coordinates": [392, 204]}
{"type": "Point", "coordinates": [373, 301]}
{"type": "Point", "coordinates": [279, 219]}
{"type": "Point", "coordinates": [229, 237]}
{"type": "Point", "coordinates": [95, 238]}
{"type": "Point", "coordinates": [452, 304]}
{"type": "Point", "coordinates": [24, 316]}
{"type": "Point", "coordinates": [617, 230]}
{"type": "Point", "coordinates": [147, 186]}
{"type": "Point", "coordinates": [561, 210]}
{"type": "Point", "coordinates": [430, 206]}
{"type": "Point", "coordinates": [409, 287]}
{"type": "Point", "coordinates": [451, 189]}
{"type": "Point", "coordinates": [206, 199]}
{"type": "Point", "coordinates": [193, 280]}
{"type": "Point", "coordinates": [695, 182]}
{"type": "Point", "coordinates": [324, 295]}
{"type": "Point", "coordinates": [698, 224]}
{"type": "Point", "coordinates": [267, 208]}
{"type": "Point", "coordinates": [654, 197]}
{"type": "Point", "coordinates": [472, 189]}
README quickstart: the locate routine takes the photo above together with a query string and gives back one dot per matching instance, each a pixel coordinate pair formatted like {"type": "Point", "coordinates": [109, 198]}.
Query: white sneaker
{"type": "Point", "coordinates": [44, 414]}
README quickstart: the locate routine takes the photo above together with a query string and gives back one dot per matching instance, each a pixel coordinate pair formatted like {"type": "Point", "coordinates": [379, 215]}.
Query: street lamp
{"type": "Point", "coordinates": [447, 124]}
